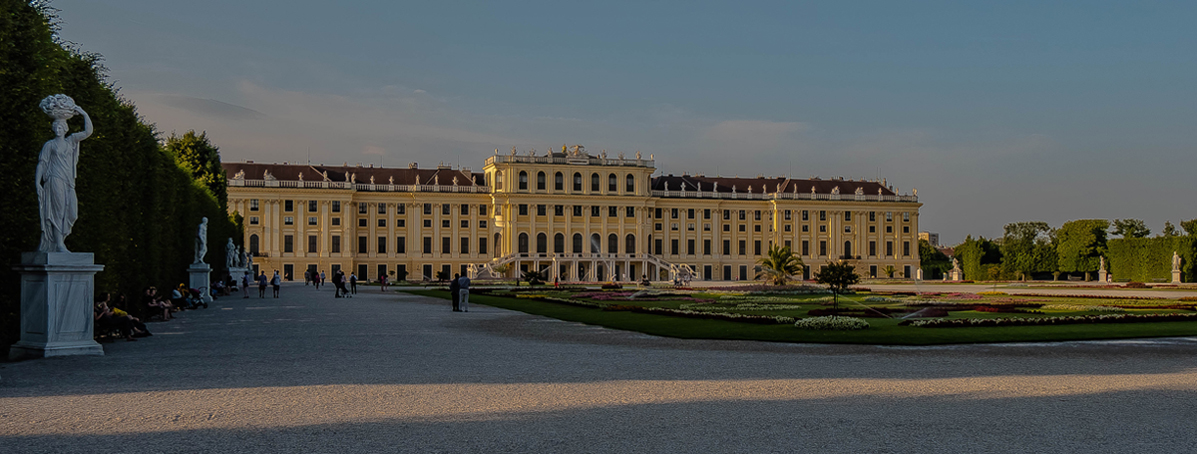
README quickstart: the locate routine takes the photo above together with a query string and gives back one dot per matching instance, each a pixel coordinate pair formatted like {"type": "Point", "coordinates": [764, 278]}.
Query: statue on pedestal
{"type": "Point", "coordinates": [201, 241]}
{"type": "Point", "coordinates": [230, 254]}
{"type": "Point", "coordinates": [55, 177]}
{"type": "Point", "coordinates": [1175, 262]}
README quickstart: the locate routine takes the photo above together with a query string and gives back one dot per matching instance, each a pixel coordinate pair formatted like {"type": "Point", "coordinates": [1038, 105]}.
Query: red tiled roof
{"type": "Point", "coordinates": [382, 175]}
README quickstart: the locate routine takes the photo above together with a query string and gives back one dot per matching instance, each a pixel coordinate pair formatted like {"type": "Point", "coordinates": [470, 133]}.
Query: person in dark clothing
{"type": "Point", "coordinates": [262, 284]}
{"type": "Point", "coordinates": [353, 283]}
{"type": "Point", "coordinates": [454, 289]}
{"type": "Point", "coordinates": [105, 318]}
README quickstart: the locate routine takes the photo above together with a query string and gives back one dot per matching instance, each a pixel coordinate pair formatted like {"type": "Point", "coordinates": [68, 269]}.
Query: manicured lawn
{"type": "Point", "coordinates": [882, 331]}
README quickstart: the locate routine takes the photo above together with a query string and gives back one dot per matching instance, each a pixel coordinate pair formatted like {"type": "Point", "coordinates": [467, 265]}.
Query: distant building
{"type": "Point", "coordinates": [932, 238]}
{"type": "Point", "coordinates": [572, 216]}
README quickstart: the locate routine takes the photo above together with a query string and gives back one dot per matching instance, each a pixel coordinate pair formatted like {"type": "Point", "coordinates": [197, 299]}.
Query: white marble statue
{"type": "Point", "coordinates": [955, 264]}
{"type": "Point", "coordinates": [55, 177]}
{"type": "Point", "coordinates": [201, 241]}
{"type": "Point", "coordinates": [1102, 264]}
{"type": "Point", "coordinates": [230, 254]}
{"type": "Point", "coordinates": [1175, 261]}
{"type": "Point", "coordinates": [241, 260]}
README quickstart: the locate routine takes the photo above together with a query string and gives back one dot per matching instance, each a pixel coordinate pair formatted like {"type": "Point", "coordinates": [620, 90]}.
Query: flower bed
{"type": "Point", "coordinates": [831, 323]}
{"type": "Point", "coordinates": [740, 307]}
{"type": "Point", "coordinates": [761, 319]}
{"type": "Point", "coordinates": [1079, 307]}
{"type": "Point", "coordinates": [1042, 321]}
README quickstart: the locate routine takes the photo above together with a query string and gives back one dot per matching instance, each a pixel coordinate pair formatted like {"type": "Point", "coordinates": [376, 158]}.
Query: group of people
{"type": "Point", "coordinates": [248, 280]}
{"type": "Point", "coordinates": [110, 314]}
{"type": "Point", "coordinates": [459, 289]}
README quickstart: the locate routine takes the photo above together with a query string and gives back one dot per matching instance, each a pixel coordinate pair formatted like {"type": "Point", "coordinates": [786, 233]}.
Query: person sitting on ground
{"type": "Point", "coordinates": [118, 309]}
{"type": "Point", "coordinates": [218, 288]}
{"type": "Point", "coordinates": [105, 319]}
{"type": "Point", "coordinates": [178, 297]}
{"type": "Point", "coordinates": [154, 305]}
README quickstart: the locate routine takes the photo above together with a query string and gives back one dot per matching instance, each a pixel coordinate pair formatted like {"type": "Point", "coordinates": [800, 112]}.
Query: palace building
{"type": "Point", "coordinates": [571, 215]}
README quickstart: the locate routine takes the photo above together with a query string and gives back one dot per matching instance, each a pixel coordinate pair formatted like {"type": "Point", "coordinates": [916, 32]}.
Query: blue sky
{"type": "Point", "coordinates": [995, 111]}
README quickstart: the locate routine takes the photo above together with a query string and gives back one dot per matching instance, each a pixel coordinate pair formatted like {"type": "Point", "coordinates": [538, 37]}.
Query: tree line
{"type": "Point", "coordinates": [140, 196]}
{"type": "Point", "coordinates": [1035, 250]}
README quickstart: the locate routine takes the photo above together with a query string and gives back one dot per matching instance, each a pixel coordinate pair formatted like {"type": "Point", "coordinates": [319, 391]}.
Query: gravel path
{"type": "Point", "coordinates": [401, 373]}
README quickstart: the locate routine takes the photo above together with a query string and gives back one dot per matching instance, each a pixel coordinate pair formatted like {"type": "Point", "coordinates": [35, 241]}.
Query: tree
{"type": "Point", "coordinates": [195, 154]}
{"type": "Point", "coordinates": [1190, 226]}
{"type": "Point", "coordinates": [779, 265]}
{"type": "Point", "coordinates": [933, 262]}
{"type": "Point", "coordinates": [974, 254]}
{"type": "Point", "coordinates": [837, 276]}
{"type": "Point", "coordinates": [1131, 228]}
{"type": "Point", "coordinates": [1027, 248]}
{"type": "Point", "coordinates": [1169, 230]}
{"type": "Point", "coordinates": [889, 271]}
{"type": "Point", "coordinates": [1080, 244]}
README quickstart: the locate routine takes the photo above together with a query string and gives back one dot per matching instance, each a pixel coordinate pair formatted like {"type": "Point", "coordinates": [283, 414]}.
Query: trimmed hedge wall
{"type": "Point", "coordinates": [138, 210]}
{"type": "Point", "coordinates": [1150, 259]}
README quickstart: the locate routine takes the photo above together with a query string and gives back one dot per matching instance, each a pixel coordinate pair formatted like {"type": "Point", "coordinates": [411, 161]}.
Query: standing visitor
{"type": "Point", "coordinates": [322, 277]}
{"type": "Point", "coordinates": [307, 277]}
{"type": "Point", "coordinates": [353, 283]}
{"type": "Point", "coordinates": [454, 292]}
{"type": "Point", "coordinates": [275, 282]}
{"type": "Point", "coordinates": [245, 282]}
{"type": "Point", "coordinates": [382, 282]}
{"type": "Point", "coordinates": [463, 287]}
{"type": "Point", "coordinates": [262, 284]}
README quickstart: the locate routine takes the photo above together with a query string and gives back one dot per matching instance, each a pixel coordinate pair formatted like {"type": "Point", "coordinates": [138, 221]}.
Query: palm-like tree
{"type": "Point", "coordinates": [779, 265]}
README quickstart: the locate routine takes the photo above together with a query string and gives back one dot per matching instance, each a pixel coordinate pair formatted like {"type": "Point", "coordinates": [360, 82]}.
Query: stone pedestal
{"type": "Point", "coordinates": [918, 274]}
{"type": "Point", "coordinates": [1103, 276]}
{"type": "Point", "coordinates": [954, 275]}
{"type": "Point", "coordinates": [200, 274]}
{"type": "Point", "coordinates": [238, 274]}
{"type": "Point", "coordinates": [57, 293]}
{"type": "Point", "coordinates": [1176, 277]}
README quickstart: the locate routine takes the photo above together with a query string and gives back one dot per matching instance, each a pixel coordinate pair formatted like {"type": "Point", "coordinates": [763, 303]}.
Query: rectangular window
{"type": "Point", "coordinates": [312, 206]}
{"type": "Point", "coordinates": [578, 210]}
{"type": "Point", "coordinates": [382, 208]}
{"type": "Point", "coordinates": [805, 215]}
{"type": "Point", "coordinates": [726, 247]}
{"type": "Point", "coordinates": [906, 248]}
{"type": "Point", "coordinates": [400, 208]}
{"type": "Point", "coordinates": [631, 212]}
{"type": "Point", "coordinates": [906, 229]}
{"type": "Point", "coordinates": [706, 247]}
{"type": "Point", "coordinates": [742, 215]}
{"type": "Point", "coordinates": [465, 223]}
{"type": "Point", "coordinates": [872, 248]}
{"type": "Point", "coordinates": [788, 227]}
{"type": "Point", "coordinates": [594, 211]}
{"type": "Point", "coordinates": [612, 212]}
{"type": "Point", "coordinates": [805, 228]}
{"type": "Point", "coordinates": [427, 209]}
{"type": "Point", "coordinates": [482, 210]}
{"type": "Point", "coordinates": [822, 248]}
{"type": "Point", "coordinates": [889, 248]}
{"type": "Point", "coordinates": [756, 215]}
{"type": "Point", "coordinates": [889, 229]}
{"type": "Point", "coordinates": [805, 247]}
{"type": "Point", "coordinates": [657, 226]}
{"type": "Point", "coordinates": [726, 215]}
{"type": "Point", "coordinates": [889, 216]}
{"type": "Point", "coordinates": [482, 224]}
{"type": "Point", "coordinates": [444, 223]}
{"type": "Point", "coordinates": [690, 213]}
{"type": "Point", "coordinates": [428, 223]}
{"type": "Point", "coordinates": [787, 215]}
{"type": "Point", "coordinates": [445, 244]}
{"type": "Point", "coordinates": [361, 208]}
{"type": "Point", "coordinates": [756, 247]}
{"type": "Point", "coordinates": [336, 206]}
{"type": "Point", "coordinates": [673, 246]}
{"type": "Point", "coordinates": [400, 245]}
{"type": "Point", "coordinates": [541, 210]}
{"type": "Point", "coordinates": [706, 213]}
{"type": "Point", "coordinates": [657, 213]}
{"type": "Point", "coordinates": [690, 247]}
{"type": "Point", "coordinates": [336, 221]}
{"type": "Point", "coordinates": [756, 228]}
{"type": "Point", "coordinates": [444, 209]}
{"type": "Point", "coordinates": [427, 245]}
{"type": "Point", "coordinates": [690, 226]}
{"type": "Point", "coordinates": [822, 215]}
{"type": "Point", "coordinates": [361, 222]}
{"type": "Point", "coordinates": [673, 213]}
{"type": "Point", "coordinates": [788, 244]}
{"type": "Point", "coordinates": [288, 220]}
{"type": "Point", "coordinates": [743, 250]}
{"type": "Point", "coordinates": [706, 227]}
{"type": "Point", "coordinates": [657, 246]}
{"type": "Point", "coordinates": [872, 216]}
{"type": "Point", "coordinates": [361, 245]}
{"type": "Point", "coordinates": [465, 245]}
{"type": "Point", "coordinates": [253, 204]}
{"type": "Point", "coordinates": [673, 226]}
{"type": "Point", "coordinates": [523, 207]}
{"type": "Point", "coordinates": [312, 243]}
{"type": "Point", "coordinates": [822, 228]}
{"type": "Point", "coordinates": [382, 245]}
{"type": "Point", "coordinates": [288, 205]}
{"type": "Point", "coordinates": [743, 228]}
{"type": "Point", "coordinates": [872, 229]}
{"type": "Point", "coordinates": [906, 216]}
{"type": "Point", "coordinates": [336, 244]}
{"type": "Point", "coordinates": [482, 245]}
{"type": "Point", "coordinates": [558, 210]}
{"type": "Point", "coordinates": [847, 216]}
{"type": "Point", "coordinates": [465, 209]}
{"type": "Point", "coordinates": [382, 222]}
{"type": "Point", "coordinates": [253, 220]}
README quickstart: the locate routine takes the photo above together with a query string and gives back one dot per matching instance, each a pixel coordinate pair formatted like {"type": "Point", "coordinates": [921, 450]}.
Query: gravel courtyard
{"type": "Point", "coordinates": [401, 373]}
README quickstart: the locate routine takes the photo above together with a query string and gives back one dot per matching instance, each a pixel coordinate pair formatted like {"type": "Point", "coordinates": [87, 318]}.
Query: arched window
{"type": "Point", "coordinates": [523, 180]}
{"type": "Point", "coordinates": [577, 243]}
{"type": "Point", "coordinates": [523, 243]}
{"type": "Point", "coordinates": [594, 182]}
{"type": "Point", "coordinates": [559, 182]}
{"type": "Point", "coordinates": [577, 182]}
{"type": "Point", "coordinates": [612, 183]}
{"type": "Point", "coordinates": [542, 243]}
{"type": "Point", "coordinates": [596, 243]}
{"type": "Point", "coordinates": [559, 242]}
{"type": "Point", "coordinates": [630, 244]}
{"type": "Point", "coordinates": [540, 181]}
{"type": "Point", "coordinates": [631, 184]}
{"type": "Point", "coordinates": [498, 245]}
{"type": "Point", "coordinates": [253, 244]}
{"type": "Point", "coordinates": [612, 244]}
{"type": "Point", "coordinates": [498, 180]}
{"type": "Point", "coordinates": [847, 249]}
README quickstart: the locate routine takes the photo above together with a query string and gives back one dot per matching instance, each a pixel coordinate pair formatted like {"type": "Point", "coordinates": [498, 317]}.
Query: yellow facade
{"type": "Point", "coordinates": [572, 216]}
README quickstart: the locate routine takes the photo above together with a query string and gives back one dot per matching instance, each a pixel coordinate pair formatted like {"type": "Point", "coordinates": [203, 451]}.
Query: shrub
{"type": "Point", "coordinates": [992, 293]}
{"type": "Point", "coordinates": [1079, 307]}
{"type": "Point", "coordinates": [1040, 321]}
{"type": "Point", "coordinates": [831, 323]}
{"type": "Point", "coordinates": [1135, 285]}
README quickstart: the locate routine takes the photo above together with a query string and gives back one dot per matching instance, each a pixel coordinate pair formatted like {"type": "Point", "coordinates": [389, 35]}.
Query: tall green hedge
{"type": "Point", "coordinates": [138, 210]}
{"type": "Point", "coordinates": [1150, 259]}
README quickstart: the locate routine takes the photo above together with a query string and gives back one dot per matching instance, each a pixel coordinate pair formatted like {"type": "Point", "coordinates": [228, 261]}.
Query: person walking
{"type": "Point", "coordinates": [322, 277]}
{"type": "Point", "coordinates": [262, 284]}
{"type": "Point", "coordinates": [353, 283]}
{"type": "Point", "coordinates": [463, 286]}
{"type": "Point", "coordinates": [275, 282]}
{"type": "Point", "coordinates": [245, 282]}
{"type": "Point", "coordinates": [338, 281]}
{"type": "Point", "coordinates": [455, 293]}
{"type": "Point", "coordinates": [382, 282]}
{"type": "Point", "coordinates": [307, 277]}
